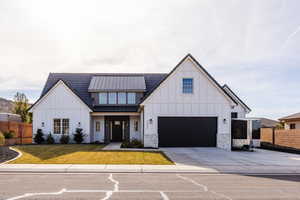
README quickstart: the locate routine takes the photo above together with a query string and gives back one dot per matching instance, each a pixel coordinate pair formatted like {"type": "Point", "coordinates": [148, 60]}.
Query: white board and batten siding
{"type": "Point", "coordinates": [135, 134]}
{"type": "Point", "coordinates": [206, 101]}
{"type": "Point", "coordinates": [240, 111]}
{"type": "Point", "coordinates": [60, 102]}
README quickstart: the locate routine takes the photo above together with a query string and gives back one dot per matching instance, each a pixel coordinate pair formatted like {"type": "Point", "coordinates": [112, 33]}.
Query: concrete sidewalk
{"type": "Point", "coordinates": [72, 168]}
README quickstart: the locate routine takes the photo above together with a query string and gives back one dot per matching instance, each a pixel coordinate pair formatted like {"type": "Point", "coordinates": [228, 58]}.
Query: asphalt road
{"type": "Point", "coordinates": [148, 186]}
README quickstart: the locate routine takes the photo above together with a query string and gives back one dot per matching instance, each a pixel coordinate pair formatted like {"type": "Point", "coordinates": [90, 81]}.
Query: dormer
{"type": "Point", "coordinates": [117, 90]}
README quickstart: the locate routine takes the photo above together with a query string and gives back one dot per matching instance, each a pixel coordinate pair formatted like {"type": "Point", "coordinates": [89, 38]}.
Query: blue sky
{"type": "Point", "coordinates": [253, 46]}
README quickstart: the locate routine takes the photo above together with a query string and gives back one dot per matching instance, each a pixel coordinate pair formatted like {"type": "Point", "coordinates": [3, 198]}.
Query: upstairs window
{"type": "Point", "coordinates": [117, 98]}
{"type": "Point", "coordinates": [112, 98]}
{"type": "Point", "coordinates": [103, 98]}
{"type": "Point", "coordinates": [187, 85]}
{"type": "Point", "coordinates": [121, 97]}
{"type": "Point", "coordinates": [131, 97]}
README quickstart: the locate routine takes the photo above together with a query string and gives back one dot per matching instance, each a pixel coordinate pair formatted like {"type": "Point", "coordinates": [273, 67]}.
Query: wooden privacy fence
{"type": "Point", "coordinates": [286, 138]}
{"type": "Point", "coordinates": [22, 132]}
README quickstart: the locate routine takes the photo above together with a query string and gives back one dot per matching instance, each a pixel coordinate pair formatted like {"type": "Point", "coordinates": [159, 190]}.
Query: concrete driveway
{"type": "Point", "coordinates": [222, 160]}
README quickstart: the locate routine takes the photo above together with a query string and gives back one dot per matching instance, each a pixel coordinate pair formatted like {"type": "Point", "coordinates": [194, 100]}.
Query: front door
{"type": "Point", "coordinates": [117, 131]}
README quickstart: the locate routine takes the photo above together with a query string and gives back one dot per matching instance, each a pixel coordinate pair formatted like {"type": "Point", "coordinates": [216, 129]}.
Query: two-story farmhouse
{"type": "Point", "coordinates": [184, 108]}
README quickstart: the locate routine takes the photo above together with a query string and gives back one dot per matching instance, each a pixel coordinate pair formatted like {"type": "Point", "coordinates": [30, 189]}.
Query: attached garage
{"type": "Point", "coordinates": [187, 131]}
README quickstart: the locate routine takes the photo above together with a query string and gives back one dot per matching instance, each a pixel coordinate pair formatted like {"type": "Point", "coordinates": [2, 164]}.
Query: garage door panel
{"type": "Point", "coordinates": [187, 131]}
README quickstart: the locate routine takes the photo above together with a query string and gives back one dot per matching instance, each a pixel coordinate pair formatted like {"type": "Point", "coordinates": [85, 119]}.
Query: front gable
{"type": "Point", "coordinates": [59, 96]}
{"type": "Point", "coordinates": [206, 90]}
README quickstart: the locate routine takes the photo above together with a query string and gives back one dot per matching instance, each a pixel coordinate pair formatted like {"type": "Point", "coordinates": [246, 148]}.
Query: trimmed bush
{"type": "Point", "coordinates": [8, 134]}
{"type": "Point", "coordinates": [39, 137]}
{"type": "Point", "coordinates": [64, 139]}
{"type": "Point", "coordinates": [135, 143]}
{"type": "Point", "coordinates": [79, 136]}
{"type": "Point", "coordinates": [2, 139]}
{"type": "Point", "coordinates": [50, 139]}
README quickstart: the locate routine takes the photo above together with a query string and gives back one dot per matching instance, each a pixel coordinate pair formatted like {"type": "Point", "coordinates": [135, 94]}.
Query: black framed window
{"type": "Point", "coordinates": [112, 98]}
{"type": "Point", "coordinates": [103, 98]}
{"type": "Point", "coordinates": [131, 97]}
{"type": "Point", "coordinates": [121, 97]}
{"type": "Point", "coordinates": [234, 115]}
{"type": "Point", "coordinates": [56, 126]}
{"type": "Point", "coordinates": [65, 126]}
{"type": "Point", "coordinates": [239, 129]}
{"type": "Point", "coordinates": [256, 125]}
{"type": "Point", "coordinates": [292, 126]}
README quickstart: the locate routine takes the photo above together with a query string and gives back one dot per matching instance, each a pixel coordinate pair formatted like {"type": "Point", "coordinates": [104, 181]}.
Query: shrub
{"type": "Point", "coordinates": [135, 143]}
{"type": "Point", "coordinates": [125, 144]}
{"type": "Point", "coordinates": [8, 134]}
{"type": "Point", "coordinates": [2, 139]}
{"type": "Point", "coordinates": [64, 139]}
{"type": "Point", "coordinates": [50, 139]}
{"type": "Point", "coordinates": [39, 137]}
{"type": "Point", "coordinates": [79, 136]}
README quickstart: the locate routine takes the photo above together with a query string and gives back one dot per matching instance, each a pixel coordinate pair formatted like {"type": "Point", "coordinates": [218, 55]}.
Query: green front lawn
{"type": "Point", "coordinates": [86, 154]}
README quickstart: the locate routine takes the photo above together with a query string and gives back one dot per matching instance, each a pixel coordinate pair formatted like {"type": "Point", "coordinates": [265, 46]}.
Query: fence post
{"type": "Point", "coordinates": [273, 135]}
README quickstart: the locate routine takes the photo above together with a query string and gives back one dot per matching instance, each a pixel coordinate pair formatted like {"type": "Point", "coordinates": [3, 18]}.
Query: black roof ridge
{"type": "Point", "coordinates": [104, 73]}
{"type": "Point", "coordinates": [225, 85]}
{"type": "Point", "coordinates": [200, 66]}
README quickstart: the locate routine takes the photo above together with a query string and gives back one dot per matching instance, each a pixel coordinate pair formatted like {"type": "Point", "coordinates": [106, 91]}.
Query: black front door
{"type": "Point", "coordinates": [116, 131]}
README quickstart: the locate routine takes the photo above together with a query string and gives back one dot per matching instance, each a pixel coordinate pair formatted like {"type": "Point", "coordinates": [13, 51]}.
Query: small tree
{"type": "Point", "coordinates": [50, 139]}
{"type": "Point", "coordinates": [2, 139]}
{"type": "Point", "coordinates": [39, 137]}
{"type": "Point", "coordinates": [64, 139]}
{"type": "Point", "coordinates": [21, 107]}
{"type": "Point", "coordinates": [79, 136]}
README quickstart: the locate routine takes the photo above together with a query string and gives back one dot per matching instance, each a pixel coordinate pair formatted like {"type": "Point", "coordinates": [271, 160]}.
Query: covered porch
{"type": "Point", "coordinates": [115, 127]}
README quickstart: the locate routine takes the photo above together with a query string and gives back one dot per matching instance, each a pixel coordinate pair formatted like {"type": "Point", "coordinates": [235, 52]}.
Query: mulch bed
{"type": "Point", "coordinates": [7, 154]}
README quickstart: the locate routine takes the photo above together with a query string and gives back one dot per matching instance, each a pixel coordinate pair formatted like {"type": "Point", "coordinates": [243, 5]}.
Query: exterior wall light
{"type": "Point", "coordinates": [43, 124]}
{"type": "Point", "coordinates": [224, 121]}
{"type": "Point", "coordinates": [151, 121]}
{"type": "Point", "coordinates": [79, 124]}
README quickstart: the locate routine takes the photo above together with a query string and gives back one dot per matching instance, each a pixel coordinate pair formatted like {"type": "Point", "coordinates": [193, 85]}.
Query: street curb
{"type": "Point", "coordinates": [131, 172]}
{"type": "Point", "coordinates": [18, 156]}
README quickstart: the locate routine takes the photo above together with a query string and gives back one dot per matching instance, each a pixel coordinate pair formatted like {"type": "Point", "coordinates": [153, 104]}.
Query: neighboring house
{"type": "Point", "coordinates": [8, 117]}
{"type": "Point", "coordinates": [186, 107]}
{"type": "Point", "coordinates": [268, 123]}
{"type": "Point", "coordinates": [291, 121]}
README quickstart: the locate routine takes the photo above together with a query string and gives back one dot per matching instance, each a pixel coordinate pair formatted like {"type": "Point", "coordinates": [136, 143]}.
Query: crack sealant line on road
{"type": "Point", "coordinates": [204, 187]}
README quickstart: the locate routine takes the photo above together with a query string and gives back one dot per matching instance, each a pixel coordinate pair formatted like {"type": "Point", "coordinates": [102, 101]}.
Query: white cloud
{"type": "Point", "coordinates": [251, 45]}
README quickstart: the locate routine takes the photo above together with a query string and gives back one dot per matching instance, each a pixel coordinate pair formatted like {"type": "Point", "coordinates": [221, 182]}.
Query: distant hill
{"type": "Point", "coordinates": [6, 106]}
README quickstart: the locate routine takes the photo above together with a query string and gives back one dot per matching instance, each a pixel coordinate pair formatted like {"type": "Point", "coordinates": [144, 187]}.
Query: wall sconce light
{"type": "Point", "coordinates": [232, 107]}
{"type": "Point", "coordinates": [43, 124]}
{"type": "Point", "coordinates": [150, 121]}
{"type": "Point", "coordinates": [224, 121]}
{"type": "Point", "coordinates": [136, 125]}
{"type": "Point", "coordinates": [79, 124]}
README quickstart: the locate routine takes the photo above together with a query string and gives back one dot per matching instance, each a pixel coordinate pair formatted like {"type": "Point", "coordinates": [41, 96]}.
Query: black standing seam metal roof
{"type": "Point", "coordinates": [79, 84]}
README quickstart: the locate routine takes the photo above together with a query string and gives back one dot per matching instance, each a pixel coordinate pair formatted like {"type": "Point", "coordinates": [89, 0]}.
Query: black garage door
{"type": "Point", "coordinates": [187, 131]}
